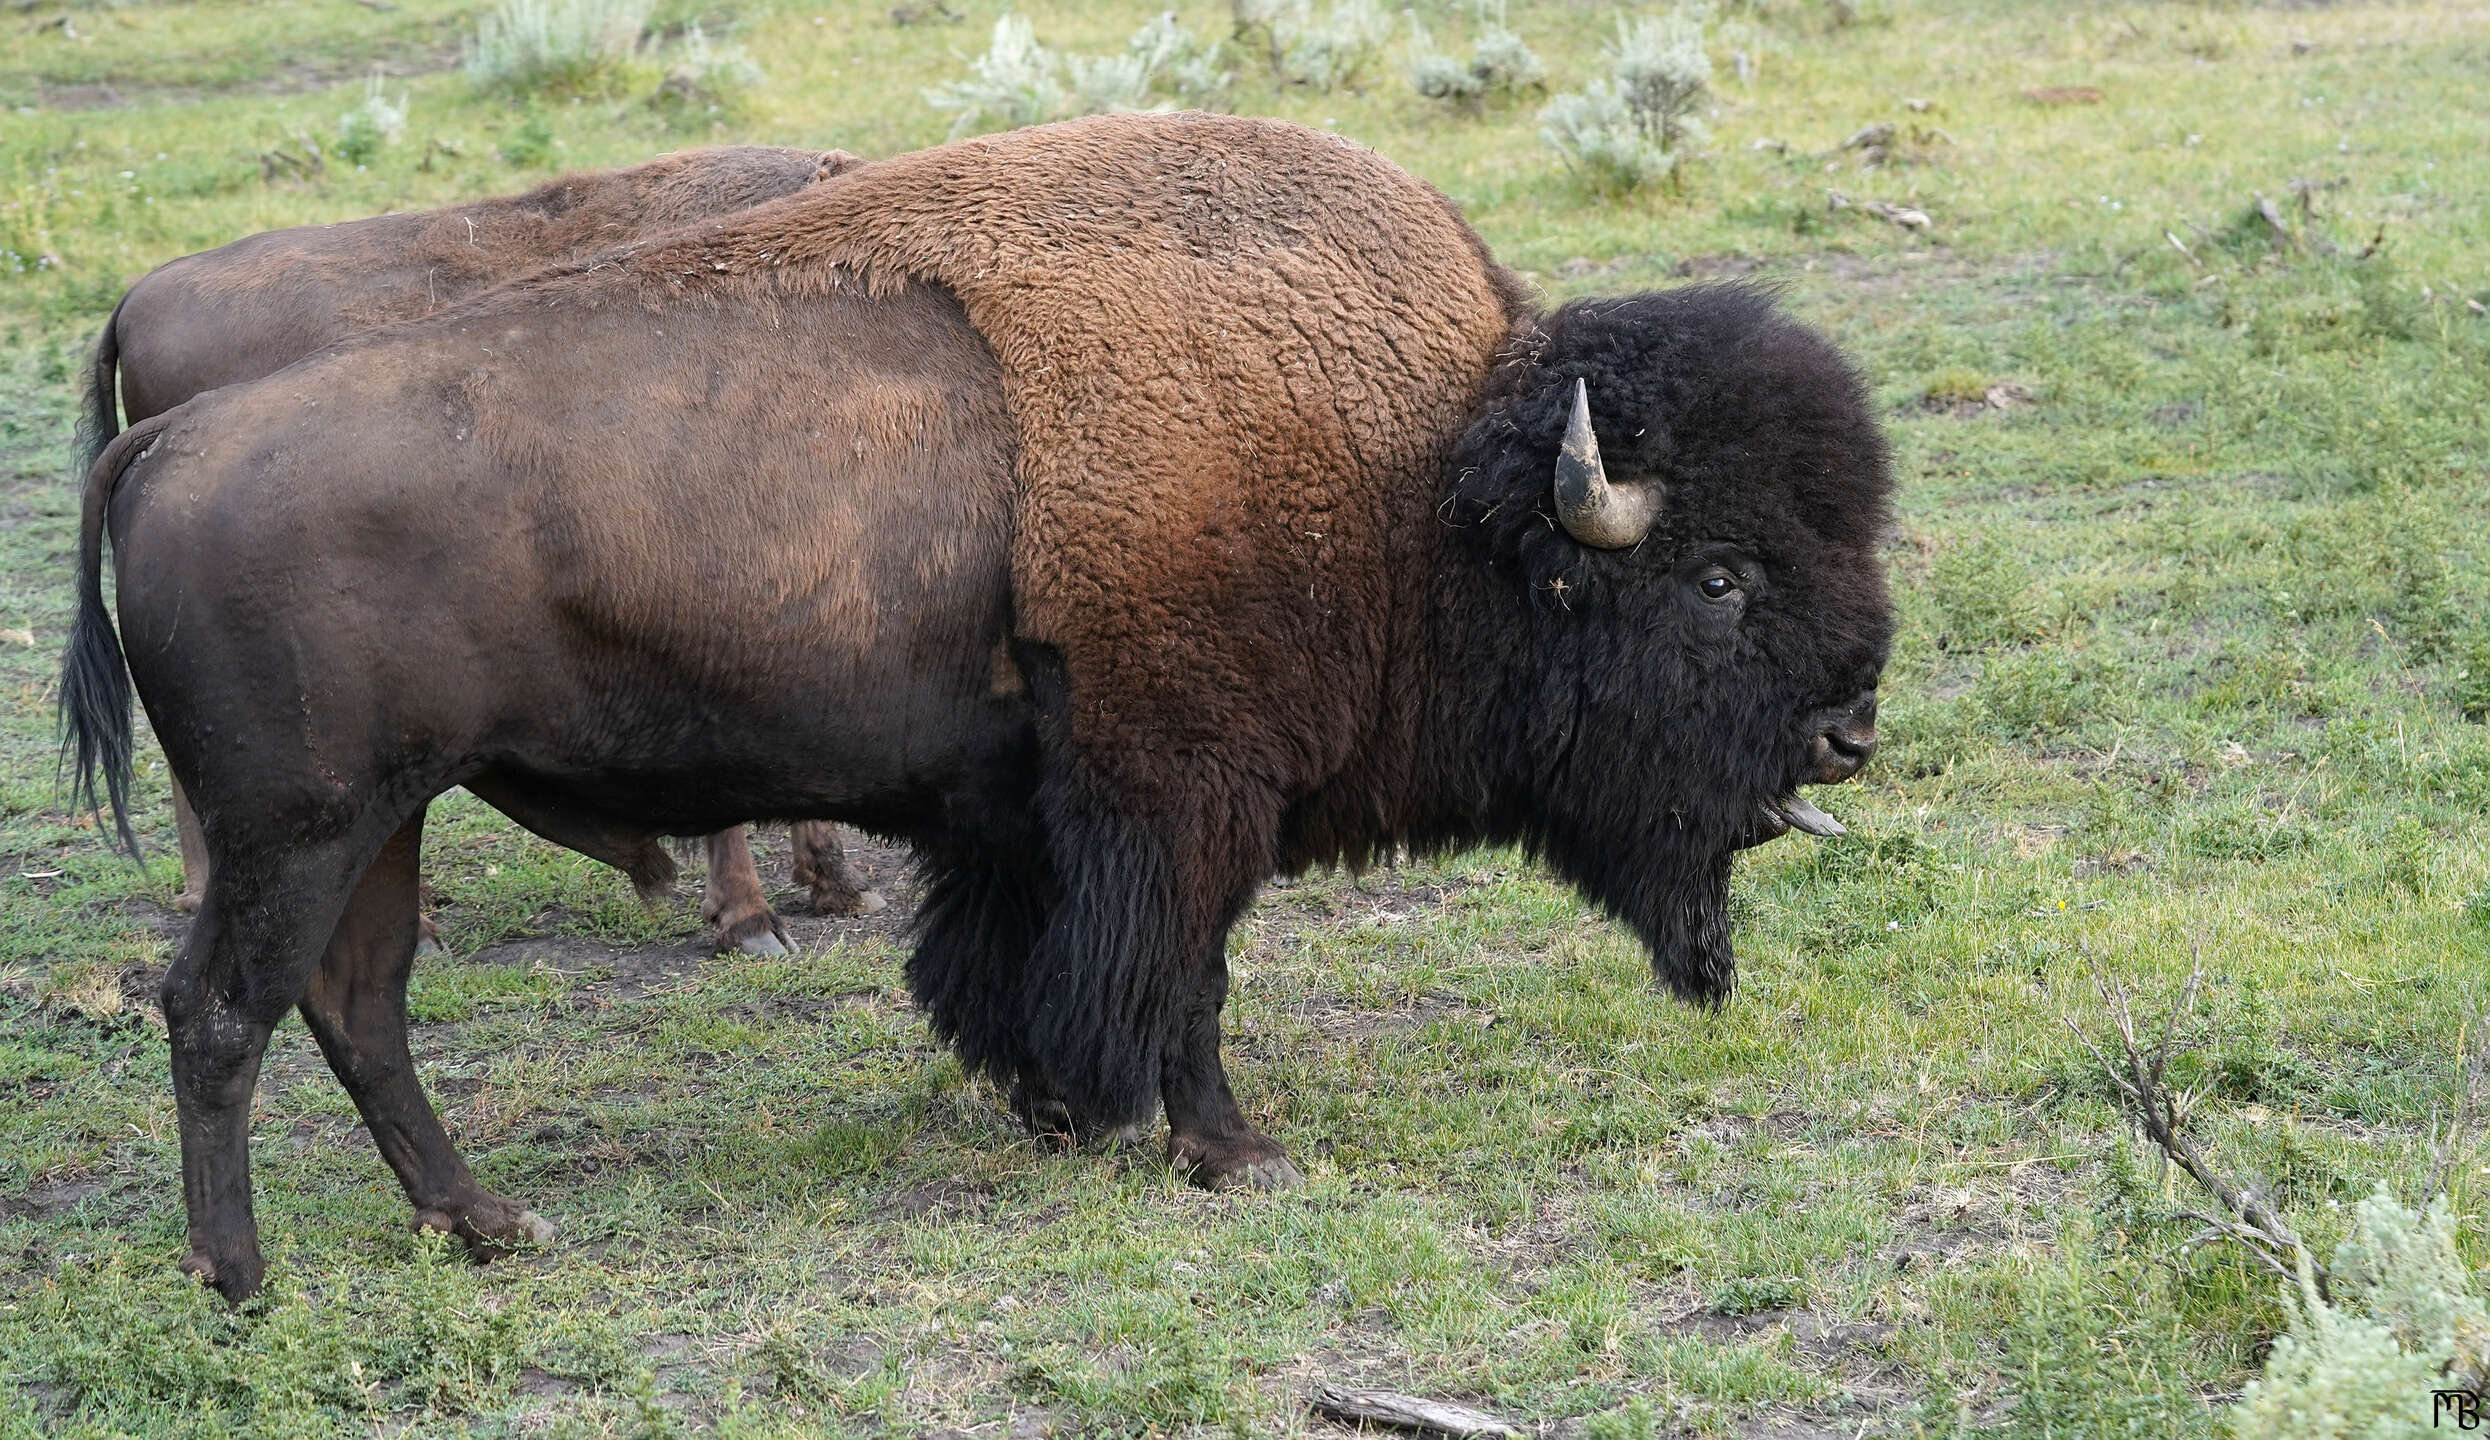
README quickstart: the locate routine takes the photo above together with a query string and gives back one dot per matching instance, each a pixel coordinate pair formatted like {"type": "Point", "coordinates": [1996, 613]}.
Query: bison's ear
{"type": "Point", "coordinates": [1599, 514]}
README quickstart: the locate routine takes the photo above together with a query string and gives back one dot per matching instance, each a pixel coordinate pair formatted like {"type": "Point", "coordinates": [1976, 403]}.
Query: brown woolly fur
{"type": "Point", "coordinates": [1235, 350]}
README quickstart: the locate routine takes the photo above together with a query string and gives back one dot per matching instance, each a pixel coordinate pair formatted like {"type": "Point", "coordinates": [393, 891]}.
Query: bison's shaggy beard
{"type": "Point", "coordinates": [1624, 731]}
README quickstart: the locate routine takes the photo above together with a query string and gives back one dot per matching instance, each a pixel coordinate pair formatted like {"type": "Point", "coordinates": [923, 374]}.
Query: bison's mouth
{"type": "Point", "coordinates": [1779, 816]}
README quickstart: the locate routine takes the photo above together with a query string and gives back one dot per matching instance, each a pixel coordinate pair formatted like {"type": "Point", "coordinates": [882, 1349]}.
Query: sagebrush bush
{"type": "Point", "coordinates": [1501, 63]}
{"type": "Point", "coordinates": [555, 46]}
{"type": "Point", "coordinates": [1021, 82]}
{"type": "Point", "coordinates": [2403, 1319]}
{"type": "Point", "coordinates": [364, 130]}
{"type": "Point", "coordinates": [1334, 52]}
{"type": "Point", "coordinates": [1636, 126]}
{"type": "Point", "coordinates": [705, 80]}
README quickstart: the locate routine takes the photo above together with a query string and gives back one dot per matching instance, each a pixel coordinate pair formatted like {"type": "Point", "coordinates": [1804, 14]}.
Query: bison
{"type": "Point", "coordinates": [248, 309]}
{"type": "Point", "coordinates": [1118, 511]}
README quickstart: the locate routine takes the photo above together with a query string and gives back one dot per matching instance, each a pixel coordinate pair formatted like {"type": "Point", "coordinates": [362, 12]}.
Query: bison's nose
{"type": "Point", "coordinates": [1845, 739]}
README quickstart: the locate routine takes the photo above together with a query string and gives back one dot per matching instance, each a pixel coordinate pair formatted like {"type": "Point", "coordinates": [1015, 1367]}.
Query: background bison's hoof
{"type": "Point", "coordinates": [187, 902]}
{"type": "Point", "coordinates": [847, 895]}
{"type": "Point", "coordinates": [237, 1278]}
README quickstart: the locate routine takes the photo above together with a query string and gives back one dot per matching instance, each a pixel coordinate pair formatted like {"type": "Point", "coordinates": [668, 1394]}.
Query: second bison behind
{"type": "Point", "coordinates": [1117, 511]}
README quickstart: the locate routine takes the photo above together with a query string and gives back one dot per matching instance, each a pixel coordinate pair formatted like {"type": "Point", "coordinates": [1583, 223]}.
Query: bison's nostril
{"type": "Point", "coordinates": [1841, 752]}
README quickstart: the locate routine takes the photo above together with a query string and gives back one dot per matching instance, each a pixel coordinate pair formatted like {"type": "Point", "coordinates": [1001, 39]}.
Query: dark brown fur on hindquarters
{"type": "Point", "coordinates": [248, 309]}
{"type": "Point", "coordinates": [830, 710]}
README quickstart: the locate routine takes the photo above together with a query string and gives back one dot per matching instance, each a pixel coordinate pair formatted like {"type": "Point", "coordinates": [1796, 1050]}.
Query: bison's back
{"type": "Point", "coordinates": [250, 308]}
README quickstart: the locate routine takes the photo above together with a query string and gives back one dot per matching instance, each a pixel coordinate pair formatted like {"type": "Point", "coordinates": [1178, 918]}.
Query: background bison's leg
{"type": "Point", "coordinates": [247, 960]}
{"type": "Point", "coordinates": [733, 902]}
{"type": "Point", "coordinates": [194, 852]}
{"type": "Point", "coordinates": [356, 1008]}
{"type": "Point", "coordinates": [1208, 1136]}
{"type": "Point", "coordinates": [821, 867]}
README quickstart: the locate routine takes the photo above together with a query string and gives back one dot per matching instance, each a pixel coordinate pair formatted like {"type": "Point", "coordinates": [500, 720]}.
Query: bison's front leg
{"type": "Point", "coordinates": [356, 1009]}
{"type": "Point", "coordinates": [733, 902]}
{"type": "Point", "coordinates": [1209, 1137]}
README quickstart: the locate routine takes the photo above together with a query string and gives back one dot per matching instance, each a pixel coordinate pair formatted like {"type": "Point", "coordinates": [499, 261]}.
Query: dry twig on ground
{"type": "Point", "coordinates": [2139, 1076]}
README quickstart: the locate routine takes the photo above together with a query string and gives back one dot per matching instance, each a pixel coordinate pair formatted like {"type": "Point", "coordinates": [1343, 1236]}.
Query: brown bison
{"type": "Point", "coordinates": [1118, 511]}
{"type": "Point", "coordinates": [251, 308]}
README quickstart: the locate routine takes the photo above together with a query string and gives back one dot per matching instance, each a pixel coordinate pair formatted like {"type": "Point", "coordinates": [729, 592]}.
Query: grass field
{"type": "Point", "coordinates": [2194, 663]}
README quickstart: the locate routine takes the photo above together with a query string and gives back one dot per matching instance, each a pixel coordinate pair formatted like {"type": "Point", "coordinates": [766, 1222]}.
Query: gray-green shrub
{"type": "Point", "coordinates": [1501, 63]}
{"type": "Point", "coordinates": [1636, 126]}
{"type": "Point", "coordinates": [364, 130]}
{"type": "Point", "coordinates": [530, 46]}
{"type": "Point", "coordinates": [1334, 52]}
{"type": "Point", "coordinates": [1021, 82]}
{"type": "Point", "coordinates": [705, 80]}
{"type": "Point", "coordinates": [2403, 1318]}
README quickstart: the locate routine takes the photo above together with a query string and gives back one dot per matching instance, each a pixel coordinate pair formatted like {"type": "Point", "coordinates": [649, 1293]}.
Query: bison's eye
{"type": "Point", "coordinates": [1717, 584]}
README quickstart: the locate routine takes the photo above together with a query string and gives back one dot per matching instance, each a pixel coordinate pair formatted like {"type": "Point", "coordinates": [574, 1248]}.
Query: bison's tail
{"type": "Point", "coordinates": [95, 680]}
{"type": "Point", "coordinates": [99, 419]}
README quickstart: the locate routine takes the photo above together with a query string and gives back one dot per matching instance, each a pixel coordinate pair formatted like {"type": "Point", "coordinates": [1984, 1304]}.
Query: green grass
{"type": "Point", "coordinates": [2192, 664]}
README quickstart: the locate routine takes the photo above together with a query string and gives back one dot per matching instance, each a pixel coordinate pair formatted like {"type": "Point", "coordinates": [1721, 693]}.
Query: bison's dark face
{"type": "Point", "coordinates": [1678, 498]}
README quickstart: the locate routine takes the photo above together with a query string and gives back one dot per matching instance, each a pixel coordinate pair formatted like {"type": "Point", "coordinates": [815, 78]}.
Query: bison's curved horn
{"type": "Point", "coordinates": [1595, 512]}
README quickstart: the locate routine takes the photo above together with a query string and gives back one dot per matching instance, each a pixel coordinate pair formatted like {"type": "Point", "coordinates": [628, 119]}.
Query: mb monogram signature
{"type": "Point", "coordinates": [2463, 1405]}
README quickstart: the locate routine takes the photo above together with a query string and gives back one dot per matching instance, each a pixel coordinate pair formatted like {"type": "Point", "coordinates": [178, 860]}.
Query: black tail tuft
{"type": "Point", "coordinates": [96, 732]}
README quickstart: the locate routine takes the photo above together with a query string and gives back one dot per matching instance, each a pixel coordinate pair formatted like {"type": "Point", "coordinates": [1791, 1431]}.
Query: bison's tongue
{"type": "Point", "coordinates": [1800, 813]}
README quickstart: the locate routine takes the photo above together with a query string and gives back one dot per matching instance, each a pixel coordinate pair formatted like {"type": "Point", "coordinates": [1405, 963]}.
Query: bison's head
{"type": "Point", "coordinates": [1677, 499]}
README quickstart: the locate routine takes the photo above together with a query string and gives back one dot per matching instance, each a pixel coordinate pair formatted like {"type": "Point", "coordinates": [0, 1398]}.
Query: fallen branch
{"type": "Point", "coordinates": [2138, 1074]}
{"type": "Point", "coordinates": [1908, 217]}
{"type": "Point", "coordinates": [1407, 1412]}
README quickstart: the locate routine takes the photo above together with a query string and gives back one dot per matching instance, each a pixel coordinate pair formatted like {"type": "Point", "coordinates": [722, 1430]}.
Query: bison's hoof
{"type": "Point", "coordinates": [1259, 1164]}
{"type": "Point", "coordinates": [848, 899]}
{"type": "Point", "coordinates": [763, 943]}
{"type": "Point", "coordinates": [760, 935]}
{"type": "Point", "coordinates": [188, 901]}
{"type": "Point", "coordinates": [237, 1277]}
{"type": "Point", "coordinates": [491, 1227]}
{"type": "Point", "coordinates": [429, 947]}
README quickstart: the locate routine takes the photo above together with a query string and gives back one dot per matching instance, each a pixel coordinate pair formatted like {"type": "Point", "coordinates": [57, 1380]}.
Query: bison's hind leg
{"type": "Point", "coordinates": [821, 867]}
{"type": "Point", "coordinates": [270, 906]}
{"type": "Point", "coordinates": [356, 1008]}
{"type": "Point", "coordinates": [733, 902]}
